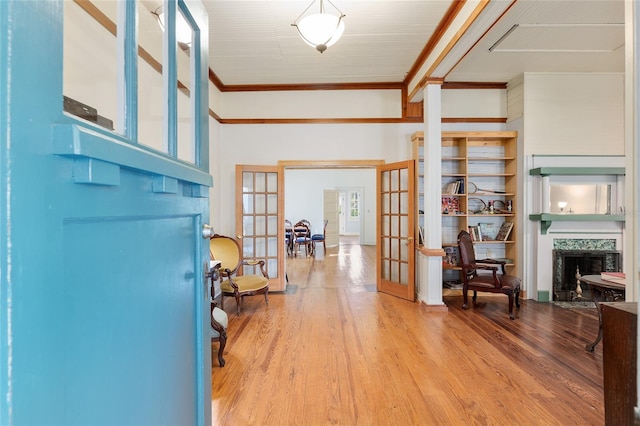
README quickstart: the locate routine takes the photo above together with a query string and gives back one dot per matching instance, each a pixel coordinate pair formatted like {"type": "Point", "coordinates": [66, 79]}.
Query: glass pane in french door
{"type": "Point", "coordinates": [396, 271]}
{"type": "Point", "coordinates": [258, 219]}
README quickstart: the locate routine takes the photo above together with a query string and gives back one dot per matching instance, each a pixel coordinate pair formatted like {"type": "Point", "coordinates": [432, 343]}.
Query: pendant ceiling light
{"type": "Point", "coordinates": [320, 30]}
{"type": "Point", "coordinates": [183, 29]}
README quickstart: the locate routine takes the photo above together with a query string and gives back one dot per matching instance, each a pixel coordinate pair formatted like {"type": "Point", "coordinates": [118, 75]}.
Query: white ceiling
{"type": "Point", "coordinates": [252, 42]}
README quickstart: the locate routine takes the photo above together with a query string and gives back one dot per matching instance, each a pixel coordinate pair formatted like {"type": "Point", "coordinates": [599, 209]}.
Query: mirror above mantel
{"type": "Point", "coordinates": [579, 194]}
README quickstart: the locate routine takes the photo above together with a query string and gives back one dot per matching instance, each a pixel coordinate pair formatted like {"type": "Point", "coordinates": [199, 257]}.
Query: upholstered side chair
{"type": "Point", "coordinates": [219, 322]}
{"type": "Point", "coordinates": [233, 281]}
{"type": "Point", "coordinates": [219, 318]}
{"type": "Point", "coordinates": [482, 275]}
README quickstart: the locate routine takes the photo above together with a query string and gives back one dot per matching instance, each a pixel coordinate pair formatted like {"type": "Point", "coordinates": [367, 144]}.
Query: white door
{"type": "Point", "coordinates": [331, 213]}
{"type": "Point", "coordinates": [342, 214]}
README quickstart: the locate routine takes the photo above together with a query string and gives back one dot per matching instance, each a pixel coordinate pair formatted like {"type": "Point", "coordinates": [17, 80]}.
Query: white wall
{"type": "Point", "coordinates": [477, 103]}
{"type": "Point", "coordinates": [304, 195]}
{"type": "Point", "coordinates": [565, 120]}
{"type": "Point", "coordinates": [574, 114]}
{"type": "Point", "coordinates": [266, 144]}
{"type": "Point", "coordinates": [312, 104]}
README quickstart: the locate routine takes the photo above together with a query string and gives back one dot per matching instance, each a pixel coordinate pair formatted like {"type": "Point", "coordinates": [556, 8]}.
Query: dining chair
{"type": "Point", "coordinates": [288, 236]}
{"type": "Point", "coordinates": [302, 237]}
{"type": "Point", "coordinates": [315, 238]}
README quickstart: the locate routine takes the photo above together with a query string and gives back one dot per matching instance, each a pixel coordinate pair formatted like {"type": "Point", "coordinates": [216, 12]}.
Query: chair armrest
{"type": "Point", "coordinates": [254, 262]}
{"type": "Point", "coordinates": [482, 267]}
{"type": "Point", "coordinates": [494, 262]}
{"type": "Point", "coordinates": [226, 273]}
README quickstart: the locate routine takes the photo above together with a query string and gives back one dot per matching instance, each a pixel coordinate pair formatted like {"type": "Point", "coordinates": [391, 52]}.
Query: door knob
{"type": "Point", "coordinates": [207, 231]}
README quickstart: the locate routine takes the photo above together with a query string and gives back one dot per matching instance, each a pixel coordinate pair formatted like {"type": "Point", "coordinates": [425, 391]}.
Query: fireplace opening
{"type": "Point", "coordinates": [570, 264]}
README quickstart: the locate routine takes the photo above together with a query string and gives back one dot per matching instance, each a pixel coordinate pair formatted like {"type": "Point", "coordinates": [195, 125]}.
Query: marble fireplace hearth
{"type": "Point", "coordinates": [573, 258]}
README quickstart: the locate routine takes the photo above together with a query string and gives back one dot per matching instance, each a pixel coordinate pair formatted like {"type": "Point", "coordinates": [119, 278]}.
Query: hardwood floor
{"type": "Point", "coordinates": [331, 350]}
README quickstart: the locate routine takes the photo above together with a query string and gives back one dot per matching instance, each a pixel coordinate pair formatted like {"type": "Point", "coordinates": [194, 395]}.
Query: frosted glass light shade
{"type": "Point", "coordinates": [321, 30]}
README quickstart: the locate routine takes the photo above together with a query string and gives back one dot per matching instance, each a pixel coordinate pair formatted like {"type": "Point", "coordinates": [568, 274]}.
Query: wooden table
{"type": "Point", "coordinates": [602, 291]}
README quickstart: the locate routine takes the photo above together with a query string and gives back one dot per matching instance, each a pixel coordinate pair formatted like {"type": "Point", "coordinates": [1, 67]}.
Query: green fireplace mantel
{"type": "Point", "coordinates": [546, 219]}
{"type": "Point", "coordinates": [583, 171]}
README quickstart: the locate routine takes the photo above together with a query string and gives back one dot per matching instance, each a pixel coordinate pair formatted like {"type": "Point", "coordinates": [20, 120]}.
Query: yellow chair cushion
{"type": "Point", "coordinates": [245, 283]}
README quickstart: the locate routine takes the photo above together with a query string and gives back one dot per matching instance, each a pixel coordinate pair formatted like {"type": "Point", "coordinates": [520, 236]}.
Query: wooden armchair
{"type": "Point", "coordinates": [228, 251]}
{"type": "Point", "coordinates": [482, 275]}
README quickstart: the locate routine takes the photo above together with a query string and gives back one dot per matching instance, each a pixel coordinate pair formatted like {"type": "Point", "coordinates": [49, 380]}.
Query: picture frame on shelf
{"type": "Point", "coordinates": [450, 205]}
{"type": "Point", "coordinates": [452, 256]}
{"type": "Point", "coordinates": [504, 231]}
{"type": "Point", "coordinates": [488, 231]}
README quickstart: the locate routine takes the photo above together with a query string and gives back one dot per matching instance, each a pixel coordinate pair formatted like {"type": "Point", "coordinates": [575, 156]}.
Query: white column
{"type": "Point", "coordinates": [546, 194]}
{"type": "Point", "coordinates": [432, 265]}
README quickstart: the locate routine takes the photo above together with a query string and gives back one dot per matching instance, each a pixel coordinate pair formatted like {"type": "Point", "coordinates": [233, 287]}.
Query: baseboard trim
{"type": "Point", "coordinates": [433, 308]}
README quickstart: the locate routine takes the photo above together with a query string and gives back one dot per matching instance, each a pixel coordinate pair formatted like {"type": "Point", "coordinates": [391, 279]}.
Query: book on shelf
{"type": "Point", "coordinates": [452, 187]}
{"type": "Point", "coordinates": [488, 231]}
{"type": "Point", "coordinates": [474, 232]}
{"type": "Point", "coordinates": [614, 277]}
{"type": "Point", "coordinates": [504, 231]}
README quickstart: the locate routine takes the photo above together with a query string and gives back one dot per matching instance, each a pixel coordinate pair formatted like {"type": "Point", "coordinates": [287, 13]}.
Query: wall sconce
{"type": "Point", "coordinates": [183, 29]}
{"type": "Point", "coordinates": [320, 30]}
{"type": "Point", "coordinates": [562, 205]}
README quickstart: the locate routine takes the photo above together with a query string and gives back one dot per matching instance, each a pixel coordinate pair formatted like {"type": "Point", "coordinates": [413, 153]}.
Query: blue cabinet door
{"type": "Point", "coordinates": [103, 304]}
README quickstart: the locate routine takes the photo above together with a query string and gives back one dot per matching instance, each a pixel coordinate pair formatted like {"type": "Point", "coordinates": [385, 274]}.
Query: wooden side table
{"type": "Point", "coordinates": [602, 291]}
{"type": "Point", "coordinates": [619, 361]}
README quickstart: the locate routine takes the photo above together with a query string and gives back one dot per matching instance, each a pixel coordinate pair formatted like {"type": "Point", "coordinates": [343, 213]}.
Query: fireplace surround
{"type": "Point", "coordinates": [578, 257]}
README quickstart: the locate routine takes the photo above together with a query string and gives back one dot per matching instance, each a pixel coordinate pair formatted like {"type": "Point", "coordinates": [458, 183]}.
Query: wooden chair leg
{"type": "Point", "coordinates": [238, 303]}
{"type": "Point", "coordinates": [464, 299]}
{"type": "Point", "coordinates": [223, 343]}
{"type": "Point", "coordinates": [266, 297]}
{"type": "Point", "coordinates": [518, 297]}
{"type": "Point", "coordinates": [511, 315]}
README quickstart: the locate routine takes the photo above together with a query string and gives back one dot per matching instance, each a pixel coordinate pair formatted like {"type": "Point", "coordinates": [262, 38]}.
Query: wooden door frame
{"type": "Point", "coordinates": [326, 164]}
{"type": "Point", "coordinates": [320, 165]}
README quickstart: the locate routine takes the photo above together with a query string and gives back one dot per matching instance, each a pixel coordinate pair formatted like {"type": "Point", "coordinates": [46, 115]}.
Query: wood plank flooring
{"type": "Point", "coordinates": [331, 350]}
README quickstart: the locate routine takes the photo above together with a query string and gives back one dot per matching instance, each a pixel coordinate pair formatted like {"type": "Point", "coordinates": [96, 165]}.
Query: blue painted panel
{"type": "Point", "coordinates": [128, 312]}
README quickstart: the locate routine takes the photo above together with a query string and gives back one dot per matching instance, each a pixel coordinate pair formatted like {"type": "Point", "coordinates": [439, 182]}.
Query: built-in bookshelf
{"type": "Point", "coordinates": [479, 193]}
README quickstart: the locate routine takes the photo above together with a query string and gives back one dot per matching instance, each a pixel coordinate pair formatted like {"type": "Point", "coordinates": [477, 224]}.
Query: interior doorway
{"type": "Point", "coordinates": [351, 215]}
{"type": "Point", "coordinates": [304, 193]}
